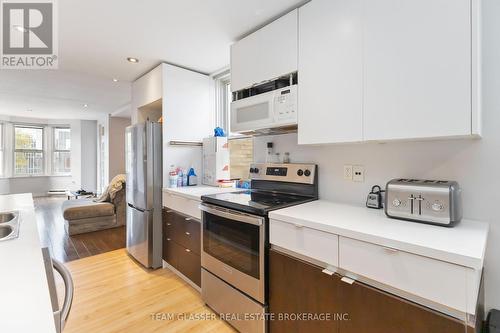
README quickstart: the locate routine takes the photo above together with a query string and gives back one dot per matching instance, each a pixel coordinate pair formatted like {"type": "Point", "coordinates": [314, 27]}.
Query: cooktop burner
{"type": "Point", "coordinates": [274, 186]}
{"type": "Point", "coordinates": [255, 201]}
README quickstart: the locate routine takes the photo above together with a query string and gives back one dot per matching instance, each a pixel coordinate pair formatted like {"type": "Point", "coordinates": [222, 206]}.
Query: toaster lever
{"type": "Point", "coordinates": [419, 199]}
{"type": "Point", "coordinates": [412, 200]}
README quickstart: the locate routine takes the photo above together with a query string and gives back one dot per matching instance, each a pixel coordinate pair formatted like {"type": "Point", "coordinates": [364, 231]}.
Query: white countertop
{"type": "Point", "coordinates": [464, 244]}
{"type": "Point", "coordinates": [196, 192]}
{"type": "Point", "coordinates": [25, 304]}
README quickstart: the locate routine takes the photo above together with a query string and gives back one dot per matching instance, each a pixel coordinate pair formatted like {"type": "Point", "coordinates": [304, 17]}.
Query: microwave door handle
{"type": "Point", "coordinates": [232, 215]}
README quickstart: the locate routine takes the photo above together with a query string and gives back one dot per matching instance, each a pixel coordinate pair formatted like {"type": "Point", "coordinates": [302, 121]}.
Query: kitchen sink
{"type": "Point", "coordinates": [9, 225]}
{"type": "Point", "coordinates": [5, 231]}
{"type": "Point", "coordinates": [6, 217]}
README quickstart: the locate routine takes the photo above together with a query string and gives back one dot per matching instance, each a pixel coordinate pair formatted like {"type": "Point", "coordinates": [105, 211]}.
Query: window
{"type": "Point", "coordinates": [240, 147]}
{"type": "Point", "coordinates": [28, 152]}
{"type": "Point", "coordinates": [61, 161]}
{"type": "Point", "coordinates": [223, 100]}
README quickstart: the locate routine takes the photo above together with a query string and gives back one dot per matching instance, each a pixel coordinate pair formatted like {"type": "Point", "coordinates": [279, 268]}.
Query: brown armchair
{"type": "Point", "coordinates": [85, 215]}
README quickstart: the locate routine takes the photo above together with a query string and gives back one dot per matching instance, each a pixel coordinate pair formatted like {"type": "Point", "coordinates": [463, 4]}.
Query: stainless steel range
{"type": "Point", "coordinates": [235, 240]}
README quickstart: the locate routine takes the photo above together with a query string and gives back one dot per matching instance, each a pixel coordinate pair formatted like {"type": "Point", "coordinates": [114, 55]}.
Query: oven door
{"type": "Point", "coordinates": [233, 248]}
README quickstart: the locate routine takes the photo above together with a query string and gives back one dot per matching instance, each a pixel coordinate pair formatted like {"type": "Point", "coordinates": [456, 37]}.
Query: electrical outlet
{"type": "Point", "coordinates": [348, 172]}
{"type": "Point", "coordinates": [358, 173]}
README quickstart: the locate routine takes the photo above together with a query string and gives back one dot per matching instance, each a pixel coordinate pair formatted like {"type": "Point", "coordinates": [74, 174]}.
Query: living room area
{"type": "Point", "coordinates": [64, 144]}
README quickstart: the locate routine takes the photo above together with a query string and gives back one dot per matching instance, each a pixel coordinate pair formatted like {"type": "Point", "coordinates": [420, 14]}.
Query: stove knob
{"type": "Point", "coordinates": [307, 173]}
{"type": "Point", "coordinates": [437, 207]}
{"type": "Point", "coordinates": [300, 172]}
{"type": "Point", "coordinates": [396, 202]}
{"type": "Point", "coordinates": [256, 170]}
{"type": "Point", "coordinates": [252, 170]}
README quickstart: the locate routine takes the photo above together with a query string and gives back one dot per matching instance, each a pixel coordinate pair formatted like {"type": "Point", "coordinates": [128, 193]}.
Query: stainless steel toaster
{"type": "Point", "coordinates": [436, 202]}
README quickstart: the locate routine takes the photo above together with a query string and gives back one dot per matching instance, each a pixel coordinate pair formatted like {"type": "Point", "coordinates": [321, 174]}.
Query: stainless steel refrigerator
{"type": "Point", "coordinates": [143, 145]}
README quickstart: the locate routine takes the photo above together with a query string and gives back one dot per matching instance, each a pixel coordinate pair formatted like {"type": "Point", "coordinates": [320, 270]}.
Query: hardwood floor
{"type": "Point", "coordinates": [113, 293]}
{"type": "Point", "coordinates": [64, 247]}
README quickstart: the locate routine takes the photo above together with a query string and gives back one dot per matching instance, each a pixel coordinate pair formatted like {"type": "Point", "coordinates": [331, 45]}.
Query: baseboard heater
{"type": "Point", "coordinates": [56, 192]}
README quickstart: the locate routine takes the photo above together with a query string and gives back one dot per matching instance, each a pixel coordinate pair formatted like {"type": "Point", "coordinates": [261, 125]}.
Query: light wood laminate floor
{"type": "Point", "coordinates": [113, 293]}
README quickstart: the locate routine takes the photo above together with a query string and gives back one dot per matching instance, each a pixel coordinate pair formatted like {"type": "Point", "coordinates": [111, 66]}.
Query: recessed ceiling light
{"type": "Point", "coordinates": [85, 105]}
{"type": "Point", "coordinates": [19, 28]}
{"type": "Point", "coordinates": [115, 80]}
{"type": "Point", "coordinates": [133, 60]}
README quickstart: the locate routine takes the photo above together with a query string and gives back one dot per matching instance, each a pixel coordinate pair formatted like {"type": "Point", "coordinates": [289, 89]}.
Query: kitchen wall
{"type": "Point", "coordinates": [117, 143]}
{"type": "Point", "coordinates": [473, 163]}
{"type": "Point", "coordinates": [89, 155]}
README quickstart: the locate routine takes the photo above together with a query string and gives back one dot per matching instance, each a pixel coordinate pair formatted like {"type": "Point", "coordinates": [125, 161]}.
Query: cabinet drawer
{"type": "Point", "coordinates": [309, 242]}
{"type": "Point", "coordinates": [434, 280]}
{"type": "Point", "coordinates": [189, 234]}
{"type": "Point", "coordinates": [182, 229]}
{"type": "Point", "coordinates": [169, 222]}
{"type": "Point", "coordinates": [189, 264]}
{"type": "Point", "coordinates": [183, 205]}
{"type": "Point", "coordinates": [171, 251]}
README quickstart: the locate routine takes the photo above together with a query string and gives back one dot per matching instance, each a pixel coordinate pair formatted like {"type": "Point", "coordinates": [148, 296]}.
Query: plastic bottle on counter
{"type": "Point", "coordinates": [286, 157]}
{"type": "Point", "coordinates": [172, 177]}
{"type": "Point", "coordinates": [185, 177]}
{"type": "Point", "coordinates": [192, 179]}
{"type": "Point", "coordinates": [180, 176]}
{"type": "Point", "coordinates": [277, 158]}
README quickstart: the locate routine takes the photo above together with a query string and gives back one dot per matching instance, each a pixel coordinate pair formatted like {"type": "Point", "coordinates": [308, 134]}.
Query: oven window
{"type": "Point", "coordinates": [234, 243]}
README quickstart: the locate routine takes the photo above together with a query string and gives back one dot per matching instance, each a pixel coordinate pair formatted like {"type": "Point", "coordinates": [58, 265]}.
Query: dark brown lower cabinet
{"type": "Point", "coordinates": [373, 311]}
{"type": "Point", "coordinates": [181, 244]}
{"type": "Point", "coordinates": [297, 287]}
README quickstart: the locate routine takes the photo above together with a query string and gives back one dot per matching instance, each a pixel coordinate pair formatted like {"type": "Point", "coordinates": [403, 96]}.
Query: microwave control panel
{"type": "Point", "coordinates": [285, 103]}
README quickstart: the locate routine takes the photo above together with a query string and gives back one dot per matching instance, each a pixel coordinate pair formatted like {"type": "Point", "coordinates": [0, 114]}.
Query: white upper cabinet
{"type": "Point", "coordinates": [265, 54]}
{"type": "Point", "coordinates": [417, 69]}
{"type": "Point", "coordinates": [330, 72]}
{"type": "Point", "coordinates": [148, 88]}
{"type": "Point", "coordinates": [377, 70]}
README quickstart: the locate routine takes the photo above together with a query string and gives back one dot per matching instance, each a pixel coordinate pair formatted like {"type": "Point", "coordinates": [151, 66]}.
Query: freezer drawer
{"type": "Point", "coordinates": [138, 230]}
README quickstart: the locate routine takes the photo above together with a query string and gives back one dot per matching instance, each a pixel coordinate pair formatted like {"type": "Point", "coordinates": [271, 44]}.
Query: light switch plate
{"type": "Point", "coordinates": [348, 172]}
{"type": "Point", "coordinates": [358, 173]}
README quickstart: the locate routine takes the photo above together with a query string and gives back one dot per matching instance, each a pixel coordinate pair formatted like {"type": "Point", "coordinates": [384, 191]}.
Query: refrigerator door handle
{"type": "Point", "coordinates": [134, 207]}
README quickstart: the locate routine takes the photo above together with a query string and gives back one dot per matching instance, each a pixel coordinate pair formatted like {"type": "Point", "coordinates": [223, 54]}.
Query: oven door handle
{"type": "Point", "coordinates": [232, 215]}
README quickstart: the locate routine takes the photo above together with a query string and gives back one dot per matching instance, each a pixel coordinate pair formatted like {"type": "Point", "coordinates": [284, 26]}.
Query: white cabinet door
{"type": "Point", "coordinates": [330, 72]}
{"type": "Point", "coordinates": [148, 88]}
{"type": "Point", "coordinates": [266, 54]}
{"type": "Point", "coordinates": [417, 69]}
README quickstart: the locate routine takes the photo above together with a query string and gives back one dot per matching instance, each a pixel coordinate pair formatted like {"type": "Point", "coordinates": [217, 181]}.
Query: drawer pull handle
{"type": "Point", "coordinates": [188, 219]}
{"type": "Point", "coordinates": [188, 250]}
{"type": "Point", "coordinates": [187, 233]}
{"type": "Point", "coordinates": [328, 272]}
{"type": "Point", "coordinates": [168, 239]}
{"type": "Point", "coordinates": [390, 250]}
{"type": "Point", "coordinates": [169, 223]}
{"type": "Point", "coordinates": [347, 280]}
{"type": "Point", "coordinates": [169, 211]}
{"type": "Point", "coordinates": [299, 226]}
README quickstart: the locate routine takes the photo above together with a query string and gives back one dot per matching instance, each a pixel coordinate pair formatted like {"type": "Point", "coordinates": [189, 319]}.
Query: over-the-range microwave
{"type": "Point", "coordinates": [267, 113]}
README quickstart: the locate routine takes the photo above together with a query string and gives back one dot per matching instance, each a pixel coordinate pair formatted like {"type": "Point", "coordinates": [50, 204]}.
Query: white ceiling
{"type": "Point", "coordinates": [58, 94]}
{"type": "Point", "coordinates": [96, 36]}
